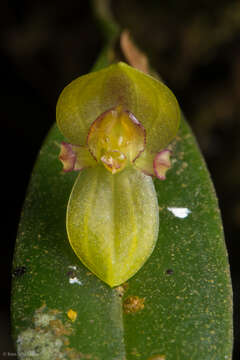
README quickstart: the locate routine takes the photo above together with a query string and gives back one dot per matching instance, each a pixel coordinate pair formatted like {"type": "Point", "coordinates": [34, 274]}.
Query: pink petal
{"type": "Point", "coordinates": [75, 157]}
{"type": "Point", "coordinates": [67, 156]}
{"type": "Point", "coordinates": [162, 163]}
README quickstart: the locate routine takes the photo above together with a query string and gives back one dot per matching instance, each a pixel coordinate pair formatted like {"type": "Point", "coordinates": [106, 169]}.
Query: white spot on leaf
{"type": "Point", "coordinates": [179, 212]}
{"type": "Point", "coordinates": [75, 280]}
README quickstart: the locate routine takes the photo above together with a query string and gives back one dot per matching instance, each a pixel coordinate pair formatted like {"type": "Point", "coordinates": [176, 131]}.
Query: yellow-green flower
{"type": "Point", "coordinates": [118, 122]}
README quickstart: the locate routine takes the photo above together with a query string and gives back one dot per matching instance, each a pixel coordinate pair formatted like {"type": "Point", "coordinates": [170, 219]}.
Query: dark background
{"type": "Point", "coordinates": [195, 47]}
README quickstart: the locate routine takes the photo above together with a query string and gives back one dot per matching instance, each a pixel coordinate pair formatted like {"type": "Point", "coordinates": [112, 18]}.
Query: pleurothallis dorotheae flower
{"type": "Point", "coordinates": [117, 122]}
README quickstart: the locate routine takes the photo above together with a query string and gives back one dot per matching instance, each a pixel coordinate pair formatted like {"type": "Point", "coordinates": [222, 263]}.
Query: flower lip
{"type": "Point", "coordinates": [114, 161]}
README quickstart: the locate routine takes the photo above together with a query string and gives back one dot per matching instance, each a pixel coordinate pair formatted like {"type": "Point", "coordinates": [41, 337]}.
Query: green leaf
{"type": "Point", "coordinates": [178, 306]}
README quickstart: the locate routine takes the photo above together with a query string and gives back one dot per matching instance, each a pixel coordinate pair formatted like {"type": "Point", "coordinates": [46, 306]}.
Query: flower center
{"type": "Point", "coordinates": [115, 138]}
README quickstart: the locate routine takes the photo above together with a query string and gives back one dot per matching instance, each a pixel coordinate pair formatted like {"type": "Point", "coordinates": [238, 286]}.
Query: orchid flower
{"type": "Point", "coordinates": [118, 122]}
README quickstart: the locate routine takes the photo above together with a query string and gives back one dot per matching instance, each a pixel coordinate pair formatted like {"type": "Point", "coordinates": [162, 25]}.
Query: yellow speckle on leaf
{"type": "Point", "coordinates": [72, 315]}
{"type": "Point", "coordinates": [133, 304]}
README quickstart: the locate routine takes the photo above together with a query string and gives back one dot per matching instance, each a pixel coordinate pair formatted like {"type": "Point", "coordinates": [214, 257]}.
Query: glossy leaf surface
{"type": "Point", "coordinates": [178, 306]}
